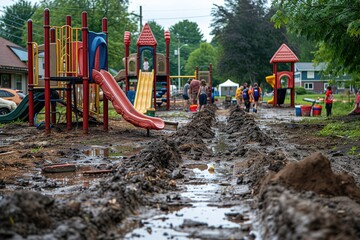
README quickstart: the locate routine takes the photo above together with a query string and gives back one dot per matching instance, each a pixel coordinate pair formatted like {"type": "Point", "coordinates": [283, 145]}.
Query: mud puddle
{"type": "Point", "coordinates": [204, 209]}
{"type": "Point", "coordinates": [92, 165]}
{"type": "Point", "coordinates": [206, 218]}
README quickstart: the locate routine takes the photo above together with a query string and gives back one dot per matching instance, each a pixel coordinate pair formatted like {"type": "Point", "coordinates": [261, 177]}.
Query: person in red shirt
{"type": "Point", "coordinates": [328, 100]}
{"type": "Point", "coordinates": [356, 109]}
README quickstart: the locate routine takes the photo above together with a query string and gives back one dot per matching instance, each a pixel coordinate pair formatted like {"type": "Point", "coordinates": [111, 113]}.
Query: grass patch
{"type": "Point", "coordinates": [341, 129]}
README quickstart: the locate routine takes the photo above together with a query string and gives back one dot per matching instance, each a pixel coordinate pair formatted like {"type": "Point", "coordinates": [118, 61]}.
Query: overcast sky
{"type": "Point", "coordinates": [167, 13]}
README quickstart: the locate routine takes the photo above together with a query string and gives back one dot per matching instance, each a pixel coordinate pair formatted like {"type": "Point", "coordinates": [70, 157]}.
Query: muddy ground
{"type": "Point", "coordinates": [260, 176]}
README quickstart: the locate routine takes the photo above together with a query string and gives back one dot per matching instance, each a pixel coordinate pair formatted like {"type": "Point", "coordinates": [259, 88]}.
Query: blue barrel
{"type": "Point", "coordinates": [298, 110]}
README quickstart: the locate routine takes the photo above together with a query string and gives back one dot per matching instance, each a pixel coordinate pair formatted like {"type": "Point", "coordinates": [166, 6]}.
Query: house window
{"type": "Point", "coordinates": [5, 81]}
{"type": "Point", "coordinates": [18, 82]}
{"type": "Point", "coordinates": [310, 75]}
{"type": "Point", "coordinates": [309, 86]}
{"type": "Point", "coordinates": [325, 86]}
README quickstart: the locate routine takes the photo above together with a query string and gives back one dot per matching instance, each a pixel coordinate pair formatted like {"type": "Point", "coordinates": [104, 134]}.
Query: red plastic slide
{"type": "Point", "coordinates": [122, 104]}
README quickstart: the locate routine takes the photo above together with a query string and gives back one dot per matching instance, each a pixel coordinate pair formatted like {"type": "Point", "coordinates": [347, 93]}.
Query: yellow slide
{"type": "Point", "coordinates": [271, 80]}
{"type": "Point", "coordinates": [144, 91]}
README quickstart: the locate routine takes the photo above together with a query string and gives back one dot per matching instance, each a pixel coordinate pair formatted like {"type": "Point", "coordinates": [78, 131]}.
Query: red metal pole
{"type": "Point", "coordinates": [30, 73]}
{"type": "Point", "coordinates": [292, 101]}
{"type": "Point", "coordinates": [154, 80]}
{"type": "Point", "coordinates": [85, 74]}
{"type": "Point", "coordinates": [68, 93]}
{"type": "Point", "coordinates": [211, 70]}
{"type": "Point", "coordinates": [105, 100]}
{"type": "Point", "coordinates": [167, 40]}
{"type": "Point", "coordinates": [47, 69]}
{"type": "Point", "coordinates": [275, 85]}
{"type": "Point", "coordinates": [53, 104]}
{"type": "Point", "coordinates": [127, 42]}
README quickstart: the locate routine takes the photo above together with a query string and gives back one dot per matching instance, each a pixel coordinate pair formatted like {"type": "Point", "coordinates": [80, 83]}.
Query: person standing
{"type": "Point", "coordinates": [329, 98]}
{"type": "Point", "coordinates": [202, 95]}
{"type": "Point", "coordinates": [194, 89]}
{"type": "Point", "coordinates": [246, 97]}
{"type": "Point", "coordinates": [186, 95]}
{"type": "Point", "coordinates": [255, 93]}
{"type": "Point", "coordinates": [146, 65]}
{"type": "Point", "coordinates": [238, 96]}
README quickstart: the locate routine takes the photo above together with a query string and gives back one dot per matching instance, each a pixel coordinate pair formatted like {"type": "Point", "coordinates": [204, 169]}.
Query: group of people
{"type": "Point", "coordinates": [246, 95]}
{"type": "Point", "coordinates": [195, 91]}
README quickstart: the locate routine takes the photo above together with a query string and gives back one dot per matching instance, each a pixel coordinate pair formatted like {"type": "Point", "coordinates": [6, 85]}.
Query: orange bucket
{"type": "Point", "coordinates": [193, 108]}
{"type": "Point", "coordinates": [317, 110]}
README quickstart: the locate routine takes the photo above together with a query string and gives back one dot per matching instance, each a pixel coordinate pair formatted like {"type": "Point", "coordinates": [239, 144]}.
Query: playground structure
{"type": "Point", "coordinates": [147, 95]}
{"type": "Point", "coordinates": [149, 87]}
{"type": "Point", "coordinates": [283, 55]}
{"type": "Point", "coordinates": [76, 69]}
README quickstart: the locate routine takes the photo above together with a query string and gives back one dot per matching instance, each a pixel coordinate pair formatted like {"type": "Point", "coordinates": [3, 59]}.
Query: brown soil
{"type": "Point", "coordinates": [303, 186]}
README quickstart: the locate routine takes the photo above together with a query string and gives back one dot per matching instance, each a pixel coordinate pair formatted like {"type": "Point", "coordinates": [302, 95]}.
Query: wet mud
{"type": "Point", "coordinates": [223, 174]}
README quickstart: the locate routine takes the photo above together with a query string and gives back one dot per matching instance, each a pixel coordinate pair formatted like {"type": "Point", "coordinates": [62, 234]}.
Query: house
{"type": "Point", "coordinates": [13, 66]}
{"type": "Point", "coordinates": [311, 77]}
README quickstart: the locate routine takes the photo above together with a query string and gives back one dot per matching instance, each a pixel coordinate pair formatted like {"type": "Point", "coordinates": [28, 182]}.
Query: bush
{"type": "Point", "coordinates": [300, 91]}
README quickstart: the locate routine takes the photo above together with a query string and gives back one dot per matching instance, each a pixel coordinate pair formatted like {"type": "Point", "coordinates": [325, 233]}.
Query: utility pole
{"type": "Point", "coordinates": [140, 16]}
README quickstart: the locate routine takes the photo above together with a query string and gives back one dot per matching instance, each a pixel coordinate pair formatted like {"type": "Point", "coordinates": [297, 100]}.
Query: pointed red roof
{"type": "Point", "coordinates": [284, 55]}
{"type": "Point", "coordinates": [146, 37]}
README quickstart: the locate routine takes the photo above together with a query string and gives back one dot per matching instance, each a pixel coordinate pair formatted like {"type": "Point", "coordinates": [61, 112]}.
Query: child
{"type": "Point", "coordinates": [146, 65]}
{"type": "Point", "coordinates": [328, 100]}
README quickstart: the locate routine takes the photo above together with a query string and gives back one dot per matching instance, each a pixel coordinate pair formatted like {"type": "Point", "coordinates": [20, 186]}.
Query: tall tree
{"type": "Point", "coordinates": [247, 40]}
{"type": "Point", "coordinates": [333, 24]}
{"type": "Point", "coordinates": [13, 21]}
{"type": "Point", "coordinates": [201, 57]}
{"type": "Point", "coordinates": [183, 33]}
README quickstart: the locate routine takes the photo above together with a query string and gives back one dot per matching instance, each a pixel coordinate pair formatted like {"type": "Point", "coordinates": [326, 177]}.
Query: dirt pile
{"type": "Point", "coordinates": [292, 201]}
{"type": "Point", "coordinates": [189, 139]}
{"type": "Point", "coordinates": [289, 215]}
{"type": "Point", "coordinates": [244, 127]}
{"type": "Point", "coordinates": [314, 173]}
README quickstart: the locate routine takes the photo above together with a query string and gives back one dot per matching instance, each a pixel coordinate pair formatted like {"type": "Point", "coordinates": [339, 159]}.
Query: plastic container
{"type": "Point", "coordinates": [150, 112]}
{"type": "Point", "coordinates": [298, 110]}
{"type": "Point", "coordinates": [317, 110]}
{"type": "Point", "coordinates": [305, 110]}
{"type": "Point", "coordinates": [193, 108]}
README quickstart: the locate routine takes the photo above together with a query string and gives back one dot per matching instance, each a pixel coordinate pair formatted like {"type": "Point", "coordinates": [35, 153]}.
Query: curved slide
{"type": "Point", "coordinates": [143, 98]}
{"type": "Point", "coordinates": [271, 80]}
{"type": "Point", "coordinates": [22, 110]}
{"type": "Point", "coordinates": [122, 104]}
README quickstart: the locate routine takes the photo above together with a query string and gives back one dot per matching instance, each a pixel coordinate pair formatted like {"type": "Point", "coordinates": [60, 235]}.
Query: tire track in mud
{"type": "Point", "coordinates": [230, 145]}
{"type": "Point", "coordinates": [155, 179]}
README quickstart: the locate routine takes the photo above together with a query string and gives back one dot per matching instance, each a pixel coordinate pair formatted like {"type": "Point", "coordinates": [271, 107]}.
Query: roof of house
{"type": "Point", "coordinates": [11, 56]}
{"type": "Point", "coordinates": [309, 66]}
{"type": "Point", "coordinates": [284, 55]}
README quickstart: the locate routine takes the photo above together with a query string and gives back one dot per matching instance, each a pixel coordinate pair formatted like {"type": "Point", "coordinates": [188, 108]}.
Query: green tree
{"type": "Point", "coordinates": [201, 57]}
{"type": "Point", "coordinates": [13, 21]}
{"type": "Point", "coordinates": [247, 40]}
{"type": "Point", "coordinates": [116, 11]}
{"type": "Point", "coordinates": [183, 32]}
{"type": "Point", "coordinates": [334, 25]}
